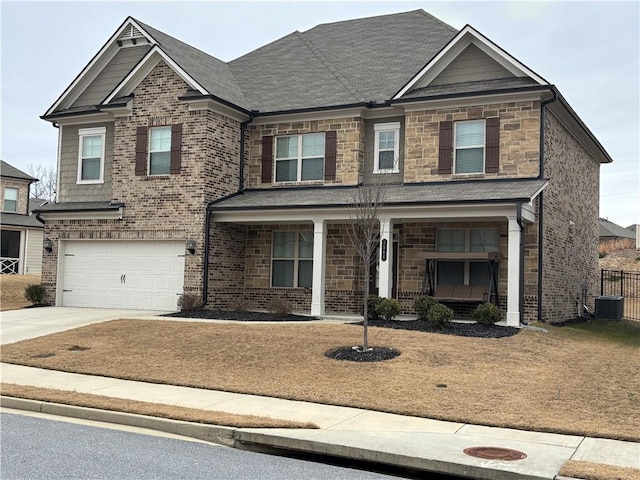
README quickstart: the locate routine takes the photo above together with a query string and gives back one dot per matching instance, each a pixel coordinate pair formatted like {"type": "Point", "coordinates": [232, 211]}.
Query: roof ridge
{"type": "Point", "coordinates": [444, 24]}
{"type": "Point", "coordinates": [334, 71]}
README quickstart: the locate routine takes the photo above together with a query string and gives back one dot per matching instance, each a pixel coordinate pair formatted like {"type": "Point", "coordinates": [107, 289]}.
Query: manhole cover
{"type": "Point", "coordinates": [495, 453]}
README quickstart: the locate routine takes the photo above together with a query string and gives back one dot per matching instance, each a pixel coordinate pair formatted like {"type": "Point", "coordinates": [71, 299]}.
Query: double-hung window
{"type": "Point", "coordinates": [292, 259]}
{"type": "Point", "coordinates": [386, 148]}
{"type": "Point", "coordinates": [474, 240]}
{"type": "Point", "coordinates": [10, 199]}
{"type": "Point", "coordinates": [300, 158]}
{"type": "Point", "coordinates": [469, 151]}
{"type": "Point", "coordinates": [91, 155]}
{"type": "Point", "coordinates": [160, 150]}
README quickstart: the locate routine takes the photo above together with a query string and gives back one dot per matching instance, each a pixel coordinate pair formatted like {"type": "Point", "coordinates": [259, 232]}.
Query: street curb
{"type": "Point", "coordinates": [209, 433]}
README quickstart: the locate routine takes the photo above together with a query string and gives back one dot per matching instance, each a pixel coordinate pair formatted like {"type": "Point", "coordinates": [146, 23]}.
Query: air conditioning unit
{"type": "Point", "coordinates": [609, 307]}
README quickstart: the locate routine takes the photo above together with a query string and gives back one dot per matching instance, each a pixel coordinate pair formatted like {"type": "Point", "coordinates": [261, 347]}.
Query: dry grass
{"type": "Point", "coordinates": [596, 471]}
{"type": "Point", "coordinates": [618, 255]}
{"type": "Point", "coordinates": [145, 408]}
{"type": "Point", "coordinates": [12, 287]}
{"type": "Point", "coordinates": [567, 381]}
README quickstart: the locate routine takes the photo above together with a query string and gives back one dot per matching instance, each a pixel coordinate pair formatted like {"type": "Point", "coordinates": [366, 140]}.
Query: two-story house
{"type": "Point", "coordinates": [21, 235]}
{"type": "Point", "coordinates": [180, 173]}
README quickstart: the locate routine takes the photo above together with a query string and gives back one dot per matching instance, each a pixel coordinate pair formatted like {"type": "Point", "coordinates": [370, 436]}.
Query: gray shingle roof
{"type": "Point", "coordinates": [367, 59]}
{"type": "Point", "coordinates": [609, 229]}
{"type": "Point", "coordinates": [213, 74]}
{"type": "Point", "coordinates": [472, 87]}
{"type": "Point", "coordinates": [7, 170]}
{"type": "Point", "coordinates": [18, 220]}
{"type": "Point", "coordinates": [409, 194]}
{"type": "Point", "coordinates": [35, 203]}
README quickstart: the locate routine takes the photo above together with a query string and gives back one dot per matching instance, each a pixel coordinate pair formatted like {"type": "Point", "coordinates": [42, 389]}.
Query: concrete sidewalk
{"type": "Point", "coordinates": [390, 439]}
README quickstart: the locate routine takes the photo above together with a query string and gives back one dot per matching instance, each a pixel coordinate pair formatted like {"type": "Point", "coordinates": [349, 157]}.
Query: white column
{"type": "Point", "coordinates": [385, 258]}
{"type": "Point", "coordinates": [319, 261]}
{"type": "Point", "coordinates": [513, 274]}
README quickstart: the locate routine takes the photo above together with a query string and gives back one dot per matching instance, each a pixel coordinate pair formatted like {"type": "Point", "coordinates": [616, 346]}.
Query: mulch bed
{"type": "Point", "coordinates": [460, 329]}
{"type": "Point", "coordinates": [354, 354]}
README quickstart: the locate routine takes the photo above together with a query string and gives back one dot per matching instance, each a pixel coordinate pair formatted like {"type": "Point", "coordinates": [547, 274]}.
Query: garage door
{"type": "Point", "coordinates": [142, 275]}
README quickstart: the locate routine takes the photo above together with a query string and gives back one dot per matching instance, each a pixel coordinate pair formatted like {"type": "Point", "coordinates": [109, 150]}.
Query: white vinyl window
{"type": "Point", "coordinates": [465, 272]}
{"type": "Point", "coordinates": [300, 158]}
{"type": "Point", "coordinates": [91, 155]}
{"type": "Point", "coordinates": [469, 138]}
{"type": "Point", "coordinates": [10, 199]}
{"type": "Point", "coordinates": [386, 148]}
{"type": "Point", "coordinates": [292, 259]}
{"type": "Point", "coordinates": [159, 151]}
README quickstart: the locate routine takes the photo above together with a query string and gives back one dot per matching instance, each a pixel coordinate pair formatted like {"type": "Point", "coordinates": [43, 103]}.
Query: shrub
{"type": "Point", "coordinates": [388, 308]}
{"type": "Point", "coordinates": [279, 307]}
{"type": "Point", "coordinates": [34, 293]}
{"type": "Point", "coordinates": [189, 302]}
{"type": "Point", "coordinates": [439, 315]}
{"type": "Point", "coordinates": [422, 304]}
{"type": "Point", "coordinates": [486, 314]}
{"type": "Point", "coordinates": [373, 312]}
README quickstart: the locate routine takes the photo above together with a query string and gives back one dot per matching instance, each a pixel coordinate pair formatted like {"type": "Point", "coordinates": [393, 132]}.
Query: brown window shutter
{"type": "Point", "coordinates": [267, 159]}
{"type": "Point", "coordinates": [141, 150]}
{"type": "Point", "coordinates": [492, 145]}
{"type": "Point", "coordinates": [330, 147]}
{"type": "Point", "coordinates": [445, 149]}
{"type": "Point", "coordinates": [176, 148]}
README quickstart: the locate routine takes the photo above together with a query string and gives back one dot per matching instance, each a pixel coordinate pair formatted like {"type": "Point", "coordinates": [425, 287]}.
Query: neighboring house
{"type": "Point", "coordinates": [180, 173]}
{"type": "Point", "coordinates": [612, 231]}
{"type": "Point", "coordinates": [21, 232]}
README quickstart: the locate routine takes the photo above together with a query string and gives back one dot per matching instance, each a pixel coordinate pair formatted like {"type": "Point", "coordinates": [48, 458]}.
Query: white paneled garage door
{"type": "Point", "coordinates": [141, 275]}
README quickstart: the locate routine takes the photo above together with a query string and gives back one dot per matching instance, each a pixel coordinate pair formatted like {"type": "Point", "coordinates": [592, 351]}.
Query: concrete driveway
{"type": "Point", "coordinates": [16, 325]}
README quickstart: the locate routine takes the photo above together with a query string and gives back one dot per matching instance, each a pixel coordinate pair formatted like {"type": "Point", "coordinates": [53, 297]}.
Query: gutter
{"type": "Point", "coordinates": [208, 211]}
{"type": "Point", "coordinates": [521, 279]}
{"type": "Point", "coordinates": [543, 106]}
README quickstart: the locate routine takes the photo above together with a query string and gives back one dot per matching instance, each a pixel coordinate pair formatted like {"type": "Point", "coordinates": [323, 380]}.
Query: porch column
{"type": "Point", "coordinates": [385, 258]}
{"type": "Point", "coordinates": [319, 260]}
{"type": "Point", "coordinates": [513, 274]}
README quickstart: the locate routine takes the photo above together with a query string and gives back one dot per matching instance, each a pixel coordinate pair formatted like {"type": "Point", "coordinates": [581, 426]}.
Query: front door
{"type": "Point", "coordinates": [374, 275]}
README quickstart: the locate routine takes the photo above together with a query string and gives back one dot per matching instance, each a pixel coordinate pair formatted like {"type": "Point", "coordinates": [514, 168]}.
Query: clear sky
{"type": "Point", "coordinates": [589, 50]}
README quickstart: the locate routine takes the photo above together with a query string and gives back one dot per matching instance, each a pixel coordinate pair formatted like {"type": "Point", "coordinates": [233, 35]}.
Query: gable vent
{"type": "Point", "coordinates": [130, 32]}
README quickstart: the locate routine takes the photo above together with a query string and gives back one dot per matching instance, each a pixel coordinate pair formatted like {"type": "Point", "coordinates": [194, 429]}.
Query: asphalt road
{"type": "Point", "coordinates": [41, 448]}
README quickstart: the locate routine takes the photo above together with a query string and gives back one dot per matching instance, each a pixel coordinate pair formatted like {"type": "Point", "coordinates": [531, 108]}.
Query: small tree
{"type": "Point", "coordinates": [46, 185]}
{"type": "Point", "coordinates": [363, 235]}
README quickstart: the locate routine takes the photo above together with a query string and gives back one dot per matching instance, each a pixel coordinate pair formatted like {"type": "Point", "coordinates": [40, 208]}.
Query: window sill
{"type": "Point", "coordinates": [300, 183]}
{"type": "Point", "coordinates": [383, 172]}
{"type": "Point", "coordinates": [89, 182]}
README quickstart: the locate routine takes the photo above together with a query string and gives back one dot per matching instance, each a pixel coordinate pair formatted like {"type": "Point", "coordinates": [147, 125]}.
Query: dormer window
{"type": "Point", "coordinates": [387, 148]}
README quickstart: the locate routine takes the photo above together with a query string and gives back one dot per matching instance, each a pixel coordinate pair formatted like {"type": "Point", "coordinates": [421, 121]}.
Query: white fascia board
{"type": "Point", "coordinates": [462, 40]}
{"type": "Point", "coordinates": [93, 68]}
{"type": "Point", "coordinates": [84, 215]}
{"type": "Point", "coordinates": [144, 67]}
{"type": "Point", "coordinates": [498, 211]}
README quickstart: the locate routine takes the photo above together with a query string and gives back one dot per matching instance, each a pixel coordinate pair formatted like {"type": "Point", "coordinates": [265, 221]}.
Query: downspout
{"type": "Point", "coordinates": [207, 225]}
{"type": "Point", "coordinates": [521, 279]}
{"type": "Point", "coordinates": [541, 200]}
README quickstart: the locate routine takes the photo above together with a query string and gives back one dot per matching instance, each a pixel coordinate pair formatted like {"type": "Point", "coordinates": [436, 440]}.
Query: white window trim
{"type": "Point", "coordinates": [91, 132]}
{"type": "Point", "coordinates": [296, 257]}
{"type": "Point", "coordinates": [149, 151]}
{"type": "Point", "coordinates": [4, 198]}
{"type": "Point", "coordinates": [386, 127]}
{"type": "Point", "coordinates": [298, 158]}
{"type": "Point", "coordinates": [483, 146]}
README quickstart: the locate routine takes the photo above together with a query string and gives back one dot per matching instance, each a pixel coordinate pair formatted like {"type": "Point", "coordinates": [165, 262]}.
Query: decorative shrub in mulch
{"type": "Point", "coordinates": [354, 354]}
{"type": "Point", "coordinates": [460, 329]}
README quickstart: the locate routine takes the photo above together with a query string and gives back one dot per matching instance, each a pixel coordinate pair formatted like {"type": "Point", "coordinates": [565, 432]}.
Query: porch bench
{"type": "Point", "coordinates": [461, 293]}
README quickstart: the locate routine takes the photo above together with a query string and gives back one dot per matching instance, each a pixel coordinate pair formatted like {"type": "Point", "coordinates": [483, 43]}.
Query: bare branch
{"type": "Point", "coordinates": [46, 186]}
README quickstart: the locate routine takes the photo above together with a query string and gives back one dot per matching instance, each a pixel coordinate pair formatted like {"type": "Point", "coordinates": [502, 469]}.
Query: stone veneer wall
{"type": "Point", "coordinates": [570, 235]}
{"type": "Point", "coordinates": [519, 140]}
{"type": "Point", "coordinates": [349, 154]}
{"type": "Point", "coordinates": [161, 207]}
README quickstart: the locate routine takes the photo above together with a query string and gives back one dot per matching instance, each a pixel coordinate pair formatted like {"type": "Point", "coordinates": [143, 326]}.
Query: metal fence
{"type": "Point", "coordinates": [623, 284]}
